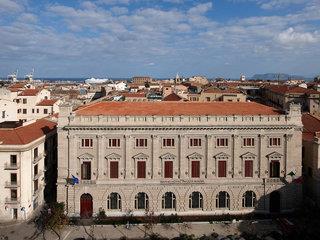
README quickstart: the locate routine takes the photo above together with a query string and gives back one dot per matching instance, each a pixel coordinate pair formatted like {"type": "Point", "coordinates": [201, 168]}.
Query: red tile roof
{"type": "Point", "coordinates": [284, 89]}
{"type": "Point", "coordinates": [29, 92]}
{"type": "Point", "coordinates": [175, 109]}
{"type": "Point", "coordinates": [47, 102]}
{"type": "Point", "coordinates": [172, 97]}
{"type": "Point", "coordinates": [26, 134]}
{"type": "Point", "coordinates": [311, 126]}
{"type": "Point", "coordinates": [217, 90]}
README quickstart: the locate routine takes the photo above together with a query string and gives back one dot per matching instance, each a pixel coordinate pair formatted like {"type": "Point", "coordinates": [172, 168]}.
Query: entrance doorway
{"type": "Point", "coordinates": [86, 206]}
{"type": "Point", "coordinates": [275, 202]}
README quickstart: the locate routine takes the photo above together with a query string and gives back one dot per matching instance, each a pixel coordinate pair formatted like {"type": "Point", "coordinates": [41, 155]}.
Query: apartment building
{"type": "Point", "coordinates": [8, 108]}
{"type": "Point", "coordinates": [178, 157]}
{"type": "Point", "coordinates": [311, 157]}
{"type": "Point", "coordinates": [141, 80]}
{"type": "Point", "coordinates": [223, 95]}
{"type": "Point", "coordinates": [282, 95]}
{"type": "Point", "coordinates": [27, 150]}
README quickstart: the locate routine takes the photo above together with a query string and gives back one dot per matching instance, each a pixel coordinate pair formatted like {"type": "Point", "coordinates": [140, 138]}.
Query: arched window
{"type": "Point", "coordinates": [223, 200]}
{"type": "Point", "coordinates": [114, 201]}
{"type": "Point", "coordinates": [141, 201]}
{"type": "Point", "coordinates": [196, 200]}
{"type": "Point", "coordinates": [249, 199]}
{"type": "Point", "coordinates": [169, 201]}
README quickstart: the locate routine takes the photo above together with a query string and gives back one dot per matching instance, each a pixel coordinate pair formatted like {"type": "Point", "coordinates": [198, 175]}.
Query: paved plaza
{"type": "Point", "coordinates": [29, 230]}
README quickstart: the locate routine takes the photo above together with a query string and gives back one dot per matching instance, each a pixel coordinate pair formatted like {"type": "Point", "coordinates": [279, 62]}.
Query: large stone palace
{"type": "Point", "coordinates": [178, 157]}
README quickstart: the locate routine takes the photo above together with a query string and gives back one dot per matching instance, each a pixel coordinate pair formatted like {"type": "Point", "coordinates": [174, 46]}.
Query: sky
{"type": "Point", "coordinates": [159, 38]}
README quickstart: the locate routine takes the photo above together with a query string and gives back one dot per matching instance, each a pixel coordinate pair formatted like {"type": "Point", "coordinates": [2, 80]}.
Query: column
{"type": "Point", "coordinates": [154, 157]}
{"type": "Point", "coordinates": [208, 143]}
{"type": "Point", "coordinates": [183, 163]}
{"type": "Point", "coordinates": [129, 170]}
{"type": "Point", "coordinates": [262, 163]}
{"type": "Point", "coordinates": [234, 157]}
{"type": "Point", "coordinates": [100, 158]}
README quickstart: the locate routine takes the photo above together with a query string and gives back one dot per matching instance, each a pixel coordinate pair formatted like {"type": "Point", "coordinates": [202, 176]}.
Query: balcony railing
{"type": "Point", "coordinates": [36, 176]}
{"type": "Point", "coordinates": [10, 184]}
{"type": "Point", "coordinates": [9, 166]}
{"type": "Point", "coordinates": [87, 181]}
{"type": "Point", "coordinates": [38, 158]}
{"type": "Point", "coordinates": [11, 200]}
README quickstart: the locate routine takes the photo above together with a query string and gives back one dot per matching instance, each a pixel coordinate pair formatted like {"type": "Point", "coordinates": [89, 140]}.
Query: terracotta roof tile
{"type": "Point", "coordinates": [29, 92]}
{"type": "Point", "coordinates": [26, 134]}
{"type": "Point", "coordinates": [284, 89]}
{"type": "Point", "coordinates": [172, 97]}
{"type": "Point", "coordinates": [47, 102]}
{"type": "Point", "coordinates": [134, 95]}
{"type": "Point", "coordinates": [175, 109]}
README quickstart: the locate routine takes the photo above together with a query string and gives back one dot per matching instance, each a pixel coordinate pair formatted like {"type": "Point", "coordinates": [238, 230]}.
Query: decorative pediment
{"type": "Point", "coordinates": [86, 156]}
{"type": "Point", "coordinates": [221, 155]}
{"type": "Point", "coordinates": [274, 155]}
{"type": "Point", "coordinates": [248, 155]}
{"type": "Point", "coordinates": [113, 156]}
{"type": "Point", "coordinates": [140, 156]}
{"type": "Point", "coordinates": [167, 156]}
{"type": "Point", "coordinates": [195, 156]}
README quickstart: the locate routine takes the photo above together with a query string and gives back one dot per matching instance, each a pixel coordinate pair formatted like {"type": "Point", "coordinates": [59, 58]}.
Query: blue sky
{"type": "Point", "coordinates": [123, 38]}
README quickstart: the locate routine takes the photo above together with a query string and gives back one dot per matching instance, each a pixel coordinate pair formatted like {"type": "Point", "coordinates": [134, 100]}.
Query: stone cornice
{"type": "Point", "coordinates": [183, 128]}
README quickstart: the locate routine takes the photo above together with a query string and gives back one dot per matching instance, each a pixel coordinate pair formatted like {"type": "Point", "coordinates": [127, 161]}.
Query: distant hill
{"type": "Point", "coordinates": [276, 76]}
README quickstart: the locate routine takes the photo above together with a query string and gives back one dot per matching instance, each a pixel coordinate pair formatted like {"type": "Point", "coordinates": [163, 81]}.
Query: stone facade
{"type": "Point", "coordinates": [72, 128]}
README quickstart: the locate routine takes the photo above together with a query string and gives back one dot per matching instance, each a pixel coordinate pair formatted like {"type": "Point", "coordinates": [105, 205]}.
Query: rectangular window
{"type": "Point", "coordinates": [168, 142]}
{"type": "Point", "coordinates": [19, 110]}
{"type": "Point", "coordinates": [18, 100]}
{"type": "Point", "coordinates": [168, 169]}
{"type": "Point", "coordinates": [195, 142]}
{"type": "Point", "coordinates": [141, 169]}
{"type": "Point", "coordinates": [114, 169]}
{"type": "Point", "coordinates": [141, 142]}
{"type": "Point", "coordinates": [35, 185]}
{"type": "Point", "coordinates": [248, 168]}
{"type": "Point", "coordinates": [32, 110]}
{"type": "Point", "coordinates": [86, 171]}
{"type": "Point", "coordinates": [274, 169]}
{"type": "Point", "coordinates": [115, 142]}
{"type": "Point", "coordinates": [222, 142]}
{"type": "Point", "coordinates": [14, 194]}
{"type": "Point", "coordinates": [248, 142]}
{"type": "Point", "coordinates": [24, 111]}
{"type": "Point", "coordinates": [222, 169]}
{"type": "Point", "coordinates": [37, 110]}
{"type": "Point", "coordinates": [24, 101]}
{"type": "Point", "coordinates": [45, 111]}
{"type": "Point", "coordinates": [35, 153]}
{"type": "Point", "coordinates": [208, 99]}
{"type": "Point", "coordinates": [3, 114]}
{"type": "Point", "coordinates": [13, 178]}
{"type": "Point", "coordinates": [195, 169]}
{"type": "Point", "coordinates": [274, 142]}
{"type": "Point", "coordinates": [35, 169]}
{"type": "Point", "coordinates": [86, 143]}
{"type": "Point", "coordinates": [13, 160]}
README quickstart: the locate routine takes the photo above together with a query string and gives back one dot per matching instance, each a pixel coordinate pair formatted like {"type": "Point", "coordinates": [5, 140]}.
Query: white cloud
{"type": "Point", "coordinates": [270, 4]}
{"type": "Point", "coordinates": [9, 5]}
{"type": "Point", "coordinates": [290, 36]}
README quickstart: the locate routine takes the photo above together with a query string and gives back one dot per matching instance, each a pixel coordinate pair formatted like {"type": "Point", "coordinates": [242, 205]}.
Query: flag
{"type": "Point", "coordinates": [74, 180]}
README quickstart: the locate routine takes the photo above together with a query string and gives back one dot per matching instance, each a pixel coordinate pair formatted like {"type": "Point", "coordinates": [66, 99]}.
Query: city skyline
{"type": "Point", "coordinates": [123, 38]}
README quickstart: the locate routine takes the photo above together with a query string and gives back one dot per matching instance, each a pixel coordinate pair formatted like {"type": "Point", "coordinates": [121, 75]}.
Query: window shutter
{"type": "Point", "coordinates": [141, 167]}
{"type": "Point", "coordinates": [168, 169]}
{"type": "Point", "coordinates": [222, 169]}
{"type": "Point", "coordinates": [114, 169]}
{"type": "Point", "coordinates": [248, 169]}
{"type": "Point", "coordinates": [195, 169]}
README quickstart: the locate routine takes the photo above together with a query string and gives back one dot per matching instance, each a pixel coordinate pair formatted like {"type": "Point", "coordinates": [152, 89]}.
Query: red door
{"type": "Point", "coordinates": [248, 169]}
{"type": "Point", "coordinates": [195, 169]}
{"type": "Point", "coordinates": [141, 166]}
{"type": "Point", "coordinates": [168, 169]}
{"type": "Point", "coordinates": [222, 169]}
{"type": "Point", "coordinates": [114, 169]}
{"type": "Point", "coordinates": [86, 206]}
